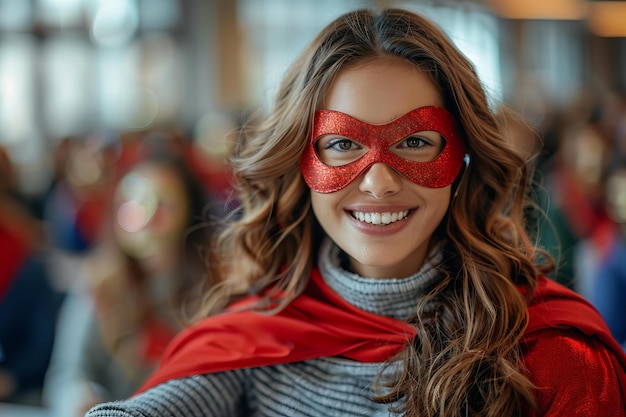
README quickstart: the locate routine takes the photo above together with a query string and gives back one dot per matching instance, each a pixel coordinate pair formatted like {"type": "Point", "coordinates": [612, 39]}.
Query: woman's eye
{"type": "Point", "coordinates": [337, 151]}
{"type": "Point", "coordinates": [420, 147]}
{"type": "Point", "coordinates": [341, 145]}
{"type": "Point", "coordinates": [416, 142]}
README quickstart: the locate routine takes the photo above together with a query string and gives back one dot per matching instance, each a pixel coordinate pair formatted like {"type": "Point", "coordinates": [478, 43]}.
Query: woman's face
{"type": "Point", "coordinates": [151, 210]}
{"type": "Point", "coordinates": [383, 221]}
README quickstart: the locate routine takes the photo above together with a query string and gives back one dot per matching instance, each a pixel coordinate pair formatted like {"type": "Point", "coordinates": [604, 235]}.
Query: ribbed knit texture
{"type": "Point", "coordinates": [322, 387]}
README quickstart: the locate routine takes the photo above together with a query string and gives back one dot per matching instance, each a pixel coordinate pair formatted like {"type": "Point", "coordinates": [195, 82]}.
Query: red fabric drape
{"type": "Point", "coordinates": [320, 323]}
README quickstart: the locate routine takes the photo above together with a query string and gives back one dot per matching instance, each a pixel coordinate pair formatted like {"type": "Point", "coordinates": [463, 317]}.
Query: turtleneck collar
{"type": "Point", "coordinates": [392, 297]}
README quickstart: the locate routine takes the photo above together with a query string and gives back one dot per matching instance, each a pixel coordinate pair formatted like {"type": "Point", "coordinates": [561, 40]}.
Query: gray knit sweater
{"type": "Point", "coordinates": [321, 387]}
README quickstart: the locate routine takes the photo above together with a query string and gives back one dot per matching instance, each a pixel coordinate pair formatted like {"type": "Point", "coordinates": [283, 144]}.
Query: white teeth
{"type": "Point", "coordinates": [380, 218]}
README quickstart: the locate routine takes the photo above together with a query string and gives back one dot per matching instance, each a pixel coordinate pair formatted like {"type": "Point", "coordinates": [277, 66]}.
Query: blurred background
{"type": "Point", "coordinates": [70, 67]}
{"type": "Point", "coordinates": [92, 89]}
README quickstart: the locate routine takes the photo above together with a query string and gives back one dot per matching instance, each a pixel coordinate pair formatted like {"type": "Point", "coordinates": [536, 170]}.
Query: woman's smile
{"type": "Point", "coordinates": [380, 218]}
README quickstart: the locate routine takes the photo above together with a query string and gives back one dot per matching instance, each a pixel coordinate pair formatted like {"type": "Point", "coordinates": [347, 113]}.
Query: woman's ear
{"type": "Point", "coordinates": [457, 181]}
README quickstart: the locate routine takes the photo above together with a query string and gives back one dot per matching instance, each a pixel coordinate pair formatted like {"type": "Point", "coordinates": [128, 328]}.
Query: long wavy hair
{"type": "Point", "coordinates": [466, 358]}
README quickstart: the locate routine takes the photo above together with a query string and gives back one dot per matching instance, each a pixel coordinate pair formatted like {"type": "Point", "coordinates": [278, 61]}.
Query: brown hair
{"type": "Point", "coordinates": [466, 358]}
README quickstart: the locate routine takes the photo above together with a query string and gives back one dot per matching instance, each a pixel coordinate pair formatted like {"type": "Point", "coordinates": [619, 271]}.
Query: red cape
{"type": "Point", "coordinates": [320, 323]}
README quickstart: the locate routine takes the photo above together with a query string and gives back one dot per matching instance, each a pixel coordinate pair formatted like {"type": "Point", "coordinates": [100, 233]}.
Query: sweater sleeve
{"type": "Point", "coordinates": [575, 375]}
{"type": "Point", "coordinates": [212, 395]}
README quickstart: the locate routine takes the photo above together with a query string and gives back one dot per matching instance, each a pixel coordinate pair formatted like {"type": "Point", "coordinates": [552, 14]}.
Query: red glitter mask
{"type": "Point", "coordinates": [437, 173]}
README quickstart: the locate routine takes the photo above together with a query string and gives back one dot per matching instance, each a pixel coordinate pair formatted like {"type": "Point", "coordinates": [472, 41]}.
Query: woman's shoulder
{"type": "Point", "coordinates": [554, 305]}
{"type": "Point", "coordinates": [570, 354]}
{"type": "Point", "coordinates": [555, 310]}
{"type": "Point", "coordinates": [574, 373]}
{"type": "Point", "coordinates": [551, 349]}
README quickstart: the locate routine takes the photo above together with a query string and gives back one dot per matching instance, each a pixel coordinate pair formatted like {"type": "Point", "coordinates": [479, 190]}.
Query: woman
{"type": "Point", "coordinates": [137, 283]}
{"type": "Point", "coordinates": [381, 231]}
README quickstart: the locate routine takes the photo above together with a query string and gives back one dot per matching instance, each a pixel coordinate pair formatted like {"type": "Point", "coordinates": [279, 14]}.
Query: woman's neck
{"type": "Point", "coordinates": [393, 297]}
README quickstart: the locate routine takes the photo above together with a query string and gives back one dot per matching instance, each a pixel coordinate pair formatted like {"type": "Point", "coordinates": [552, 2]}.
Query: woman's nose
{"type": "Point", "coordinates": [380, 180]}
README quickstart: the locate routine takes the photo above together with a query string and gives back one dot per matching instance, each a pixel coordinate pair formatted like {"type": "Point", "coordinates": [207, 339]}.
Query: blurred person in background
{"type": "Point", "coordinates": [574, 179]}
{"type": "Point", "coordinates": [535, 134]}
{"type": "Point", "coordinates": [589, 152]}
{"type": "Point", "coordinates": [28, 302]}
{"type": "Point", "coordinates": [136, 282]}
{"type": "Point", "coordinates": [73, 205]}
{"type": "Point", "coordinates": [609, 288]}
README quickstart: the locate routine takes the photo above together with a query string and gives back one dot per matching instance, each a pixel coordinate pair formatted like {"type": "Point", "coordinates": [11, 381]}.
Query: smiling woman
{"type": "Point", "coordinates": [370, 269]}
{"type": "Point", "coordinates": [388, 179]}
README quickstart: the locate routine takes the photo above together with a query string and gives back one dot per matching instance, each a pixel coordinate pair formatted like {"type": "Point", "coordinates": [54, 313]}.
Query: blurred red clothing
{"type": "Point", "coordinates": [14, 251]}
